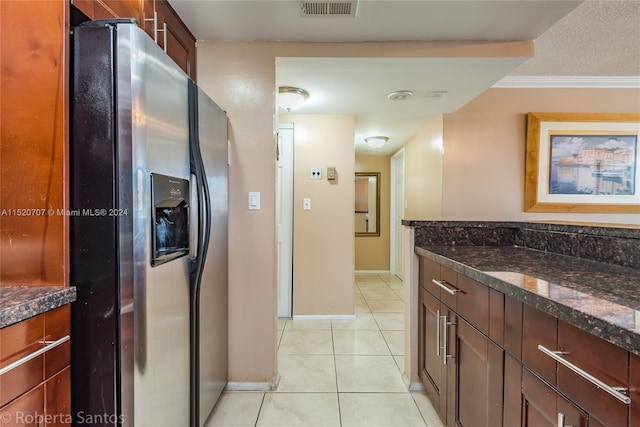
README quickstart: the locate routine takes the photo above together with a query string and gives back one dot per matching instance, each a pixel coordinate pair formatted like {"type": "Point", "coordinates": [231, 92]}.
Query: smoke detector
{"type": "Point", "coordinates": [328, 9]}
{"type": "Point", "coordinates": [400, 95]}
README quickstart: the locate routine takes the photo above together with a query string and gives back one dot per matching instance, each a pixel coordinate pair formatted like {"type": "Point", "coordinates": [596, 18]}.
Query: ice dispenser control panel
{"type": "Point", "coordinates": [169, 218]}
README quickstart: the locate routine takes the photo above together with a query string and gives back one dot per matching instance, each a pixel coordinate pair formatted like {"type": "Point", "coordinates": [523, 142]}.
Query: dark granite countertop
{"type": "Point", "coordinates": [601, 298]}
{"type": "Point", "coordinates": [19, 303]}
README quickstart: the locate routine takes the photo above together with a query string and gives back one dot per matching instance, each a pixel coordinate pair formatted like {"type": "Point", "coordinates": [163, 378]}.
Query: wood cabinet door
{"type": "Point", "coordinates": [175, 38]}
{"type": "Point", "coordinates": [479, 368]}
{"type": "Point", "coordinates": [544, 407]}
{"type": "Point", "coordinates": [34, 135]}
{"type": "Point", "coordinates": [512, 391]}
{"type": "Point", "coordinates": [431, 368]}
{"type": "Point", "coordinates": [106, 9]}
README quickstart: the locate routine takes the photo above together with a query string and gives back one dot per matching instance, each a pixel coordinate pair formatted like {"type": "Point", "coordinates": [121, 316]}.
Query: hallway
{"type": "Point", "coordinates": [338, 372]}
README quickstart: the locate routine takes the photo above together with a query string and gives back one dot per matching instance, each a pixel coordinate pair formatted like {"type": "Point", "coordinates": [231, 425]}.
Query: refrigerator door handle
{"type": "Point", "coordinates": [194, 208]}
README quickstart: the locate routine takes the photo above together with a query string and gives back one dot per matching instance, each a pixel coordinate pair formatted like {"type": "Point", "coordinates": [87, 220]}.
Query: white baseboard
{"type": "Point", "coordinates": [325, 317]}
{"type": "Point", "coordinates": [372, 271]}
{"type": "Point", "coordinates": [416, 386]}
{"type": "Point", "coordinates": [249, 386]}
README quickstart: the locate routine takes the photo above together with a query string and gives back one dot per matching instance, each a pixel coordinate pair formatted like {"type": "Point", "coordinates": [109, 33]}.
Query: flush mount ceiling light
{"type": "Point", "coordinates": [376, 141]}
{"type": "Point", "coordinates": [400, 95]}
{"type": "Point", "coordinates": [291, 98]}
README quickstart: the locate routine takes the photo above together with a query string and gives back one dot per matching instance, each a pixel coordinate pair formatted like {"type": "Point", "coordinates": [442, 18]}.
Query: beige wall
{"type": "Point", "coordinates": [240, 77]}
{"type": "Point", "coordinates": [484, 151]}
{"type": "Point", "coordinates": [372, 252]}
{"type": "Point", "coordinates": [323, 250]}
{"type": "Point", "coordinates": [241, 81]}
{"type": "Point", "coordinates": [423, 172]}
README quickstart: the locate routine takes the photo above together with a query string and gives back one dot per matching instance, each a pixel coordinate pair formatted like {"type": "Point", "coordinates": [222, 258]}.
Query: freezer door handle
{"type": "Point", "coordinates": [193, 217]}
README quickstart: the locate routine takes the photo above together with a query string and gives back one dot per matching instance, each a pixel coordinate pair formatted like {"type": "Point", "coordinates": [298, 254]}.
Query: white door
{"type": "Point", "coordinates": [284, 216]}
{"type": "Point", "coordinates": [397, 213]}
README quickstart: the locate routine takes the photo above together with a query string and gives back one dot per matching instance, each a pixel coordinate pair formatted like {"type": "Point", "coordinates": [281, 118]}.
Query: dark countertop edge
{"type": "Point", "coordinates": [629, 231]}
{"type": "Point", "coordinates": [614, 334]}
{"type": "Point", "coordinates": [33, 307]}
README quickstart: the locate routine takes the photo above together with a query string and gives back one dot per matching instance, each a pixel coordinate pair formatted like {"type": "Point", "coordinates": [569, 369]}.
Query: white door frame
{"type": "Point", "coordinates": [284, 219]}
{"type": "Point", "coordinates": [397, 160]}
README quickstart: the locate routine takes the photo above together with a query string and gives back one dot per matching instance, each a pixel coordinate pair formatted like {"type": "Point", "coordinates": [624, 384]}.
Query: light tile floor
{"type": "Point", "coordinates": [338, 372]}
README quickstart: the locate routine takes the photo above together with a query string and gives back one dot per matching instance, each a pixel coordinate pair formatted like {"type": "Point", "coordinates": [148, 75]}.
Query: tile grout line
{"type": "Point", "coordinates": [335, 369]}
{"type": "Point", "coordinates": [264, 395]}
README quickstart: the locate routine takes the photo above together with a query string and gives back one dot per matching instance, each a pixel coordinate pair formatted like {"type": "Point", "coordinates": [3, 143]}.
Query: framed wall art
{"type": "Point", "coordinates": [581, 162]}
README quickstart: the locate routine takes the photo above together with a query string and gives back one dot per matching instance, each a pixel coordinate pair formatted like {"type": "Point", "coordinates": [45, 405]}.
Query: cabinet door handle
{"type": "Point", "coordinates": [443, 284]}
{"type": "Point", "coordinates": [613, 391]}
{"type": "Point", "coordinates": [437, 332]}
{"type": "Point", "coordinates": [164, 36]}
{"type": "Point", "coordinates": [49, 346]}
{"type": "Point", "coordinates": [560, 419]}
{"type": "Point", "coordinates": [155, 25]}
{"type": "Point", "coordinates": [445, 330]}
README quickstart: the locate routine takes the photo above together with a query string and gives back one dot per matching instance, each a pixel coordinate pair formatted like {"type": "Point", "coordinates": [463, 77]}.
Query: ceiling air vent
{"type": "Point", "coordinates": [328, 9]}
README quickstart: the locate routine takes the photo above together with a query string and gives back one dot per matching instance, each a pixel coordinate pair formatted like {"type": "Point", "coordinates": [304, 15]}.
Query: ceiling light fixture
{"type": "Point", "coordinates": [291, 98]}
{"type": "Point", "coordinates": [376, 141]}
{"type": "Point", "coordinates": [400, 95]}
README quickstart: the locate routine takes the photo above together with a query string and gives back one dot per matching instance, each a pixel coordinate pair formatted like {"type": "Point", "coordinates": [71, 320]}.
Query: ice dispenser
{"type": "Point", "coordinates": [170, 215]}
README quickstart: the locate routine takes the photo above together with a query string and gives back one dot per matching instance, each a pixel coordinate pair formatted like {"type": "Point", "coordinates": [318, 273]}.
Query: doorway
{"type": "Point", "coordinates": [396, 263]}
{"type": "Point", "coordinates": [284, 219]}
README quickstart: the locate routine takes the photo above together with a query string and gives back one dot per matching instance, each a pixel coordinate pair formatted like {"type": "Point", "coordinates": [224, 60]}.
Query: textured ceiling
{"type": "Point", "coordinates": [599, 38]}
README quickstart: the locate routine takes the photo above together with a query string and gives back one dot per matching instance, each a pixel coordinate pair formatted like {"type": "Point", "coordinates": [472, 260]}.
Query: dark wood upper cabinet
{"type": "Point", "coordinates": [158, 19]}
{"type": "Point", "coordinates": [175, 38]}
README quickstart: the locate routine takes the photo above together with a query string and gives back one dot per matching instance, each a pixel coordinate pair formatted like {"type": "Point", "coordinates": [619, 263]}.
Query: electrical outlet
{"type": "Point", "coordinates": [316, 173]}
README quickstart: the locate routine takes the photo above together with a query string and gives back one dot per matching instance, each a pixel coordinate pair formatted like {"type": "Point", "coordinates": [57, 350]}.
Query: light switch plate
{"type": "Point", "coordinates": [331, 173]}
{"type": "Point", "coordinates": [254, 200]}
{"type": "Point", "coordinates": [306, 204]}
{"type": "Point", "coordinates": [316, 173]}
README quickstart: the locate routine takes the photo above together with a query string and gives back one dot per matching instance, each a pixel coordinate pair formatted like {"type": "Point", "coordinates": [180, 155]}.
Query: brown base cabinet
{"type": "Point", "coordinates": [460, 367]}
{"type": "Point", "coordinates": [37, 392]}
{"type": "Point", "coordinates": [487, 359]}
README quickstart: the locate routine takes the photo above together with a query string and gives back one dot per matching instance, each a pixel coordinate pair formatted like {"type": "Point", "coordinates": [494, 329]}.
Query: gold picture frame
{"type": "Point", "coordinates": [582, 162]}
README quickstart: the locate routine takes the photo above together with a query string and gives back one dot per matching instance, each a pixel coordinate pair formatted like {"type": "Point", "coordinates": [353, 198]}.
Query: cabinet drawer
{"type": "Point", "coordinates": [57, 324]}
{"type": "Point", "coordinates": [513, 326]}
{"type": "Point", "coordinates": [25, 338]}
{"type": "Point", "coordinates": [473, 303]}
{"type": "Point", "coordinates": [634, 388]}
{"type": "Point", "coordinates": [539, 328]}
{"type": "Point", "coordinates": [429, 271]}
{"type": "Point", "coordinates": [26, 411]}
{"type": "Point", "coordinates": [604, 361]}
{"type": "Point", "coordinates": [17, 341]}
{"type": "Point", "coordinates": [496, 316]}
{"type": "Point", "coordinates": [432, 272]}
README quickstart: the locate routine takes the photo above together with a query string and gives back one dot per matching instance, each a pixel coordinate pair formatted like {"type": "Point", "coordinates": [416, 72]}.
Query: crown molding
{"type": "Point", "coordinates": [599, 82]}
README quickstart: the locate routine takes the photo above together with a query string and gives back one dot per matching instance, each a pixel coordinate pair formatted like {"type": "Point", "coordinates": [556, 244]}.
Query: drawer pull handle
{"type": "Point", "coordinates": [613, 391]}
{"type": "Point", "coordinates": [443, 285]}
{"type": "Point", "coordinates": [49, 345]}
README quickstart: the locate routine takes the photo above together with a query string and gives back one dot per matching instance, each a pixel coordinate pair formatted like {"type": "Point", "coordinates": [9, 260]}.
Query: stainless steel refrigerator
{"type": "Point", "coordinates": [148, 234]}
